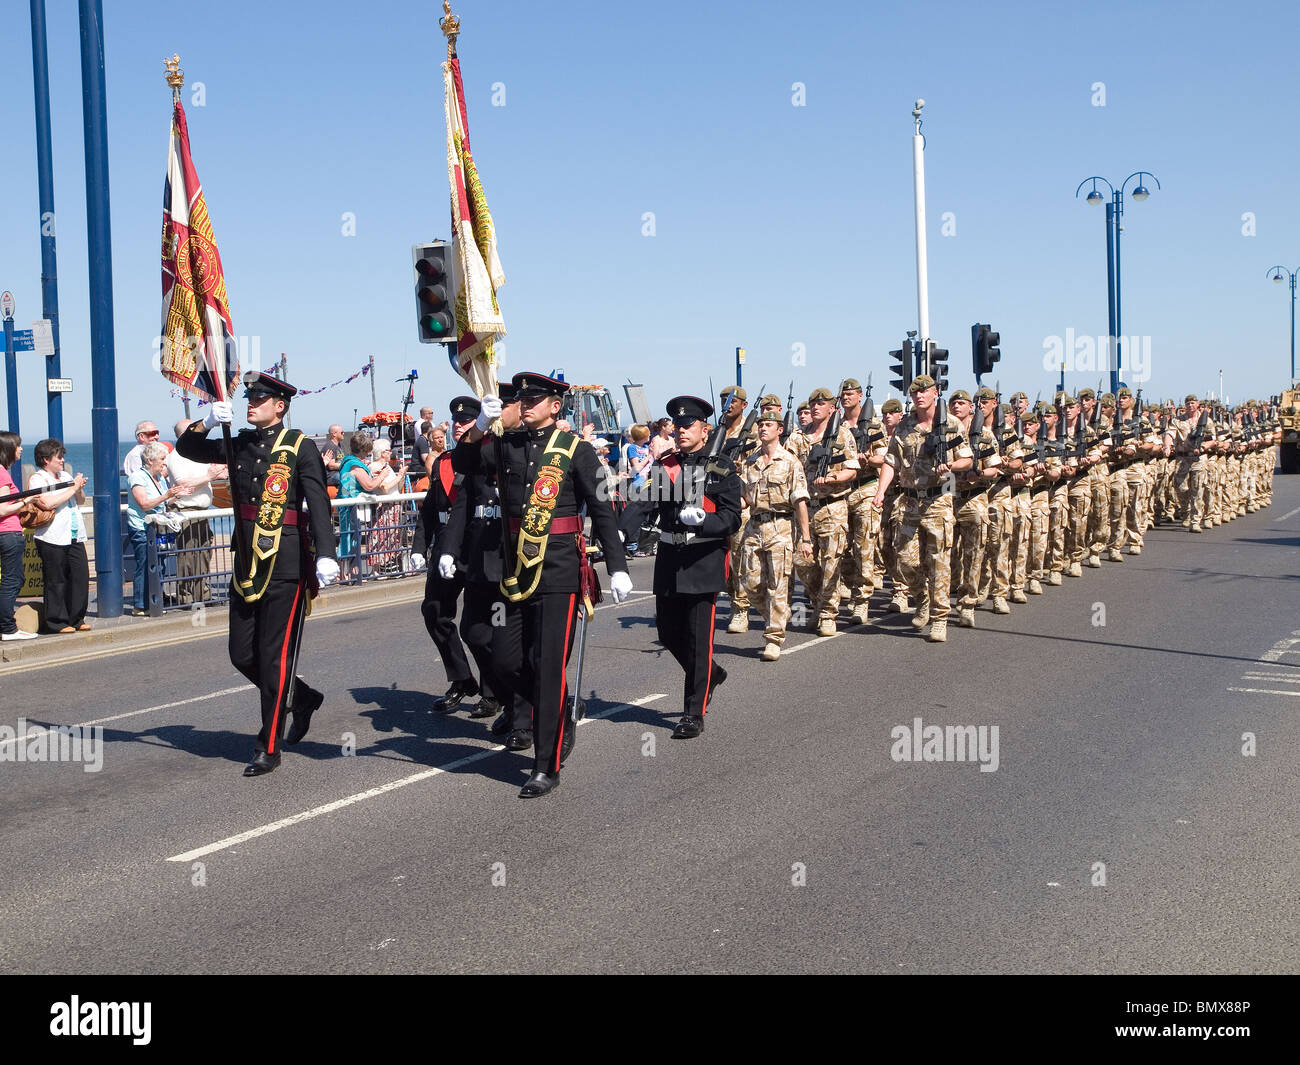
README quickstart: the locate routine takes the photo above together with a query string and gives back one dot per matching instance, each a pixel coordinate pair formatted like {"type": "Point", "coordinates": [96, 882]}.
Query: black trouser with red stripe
{"type": "Point", "coordinates": [484, 604]}
{"type": "Point", "coordinates": [531, 650]}
{"type": "Point", "coordinates": [439, 610]}
{"type": "Point", "coordinates": [263, 636]}
{"type": "Point", "coordinates": [685, 624]}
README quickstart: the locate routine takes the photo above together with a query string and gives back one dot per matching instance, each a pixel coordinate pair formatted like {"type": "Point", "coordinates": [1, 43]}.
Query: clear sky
{"type": "Point", "coordinates": [775, 226]}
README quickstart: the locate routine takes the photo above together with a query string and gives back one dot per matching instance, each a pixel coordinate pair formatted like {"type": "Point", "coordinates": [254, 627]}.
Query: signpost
{"type": "Point", "coordinates": [11, 362]}
{"type": "Point", "coordinates": [58, 384]}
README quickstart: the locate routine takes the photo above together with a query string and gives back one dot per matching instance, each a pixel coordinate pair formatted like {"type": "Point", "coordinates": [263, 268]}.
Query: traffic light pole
{"type": "Point", "coordinates": [922, 266]}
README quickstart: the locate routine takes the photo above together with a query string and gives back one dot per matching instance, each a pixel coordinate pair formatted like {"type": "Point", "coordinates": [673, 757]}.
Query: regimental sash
{"type": "Point", "coordinates": [539, 512]}
{"type": "Point", "coordinates": [269, 524]}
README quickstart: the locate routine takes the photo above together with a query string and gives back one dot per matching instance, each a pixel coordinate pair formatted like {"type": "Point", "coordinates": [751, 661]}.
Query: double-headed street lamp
{"type": "Point", "coordinates": [1114, 227]}
{"type": "Point", "coordinates": [1278, 273]}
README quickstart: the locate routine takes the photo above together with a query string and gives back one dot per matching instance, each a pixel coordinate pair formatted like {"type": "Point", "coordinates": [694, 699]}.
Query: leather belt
{"type": "Point", "coordinates": [680, 538]}
{"type": "Point", "coordinates": [760, 517]}
{"type": "Point", "coordinates": [494, 511]}
{"type": "Point", "coordinates": [558, 525]}
{"type": "Point", "coordinates": [249, 513]}
{"type": "Point", "coordinates": [970, 493]}
{"type": "Point", "coordinates": [923, 493]}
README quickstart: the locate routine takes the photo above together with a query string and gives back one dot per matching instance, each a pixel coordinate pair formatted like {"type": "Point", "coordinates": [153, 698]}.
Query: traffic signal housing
{"type": "Point", "coordinates": [901, 366]}
{"type": "Point", "coordinates": [984, 348]}
{"type": "Point", "coordinates": [936, 365]}
{"type": "Point", "coordinates": [434, 299]}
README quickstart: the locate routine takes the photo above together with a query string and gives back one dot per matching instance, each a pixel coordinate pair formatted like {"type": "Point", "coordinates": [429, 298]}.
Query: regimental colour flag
{"type": "Point", "coordinates": [198, 345]}
{"type": "Point", "coordinates": [477, 272]}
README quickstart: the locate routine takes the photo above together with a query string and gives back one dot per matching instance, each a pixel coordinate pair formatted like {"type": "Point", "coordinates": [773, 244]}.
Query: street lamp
{"type": "Point", "coordinates": [1278, 273]}
{"type": "Point", "coordinates": [1114, 227]}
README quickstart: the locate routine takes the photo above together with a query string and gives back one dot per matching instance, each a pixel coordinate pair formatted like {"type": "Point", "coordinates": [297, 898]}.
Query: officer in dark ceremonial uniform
{"type": "Point", "coordinates": [545, 476]}
{"type": "Point", "coordinates": [472, 544]}
{"type": "Point", "coordinates": [441, 593]}
{"type": "Point", "coordinates": [276, 471]}
{"type": "Point", "coordinates": [697, 516]}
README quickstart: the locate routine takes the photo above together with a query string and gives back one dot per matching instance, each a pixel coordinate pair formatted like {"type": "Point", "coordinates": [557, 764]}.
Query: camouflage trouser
{"type": "Point", "coordinates": [1099, 511]}
{"type": "Point", "coordinates": [768, 554]}
{"type": "Point", "coordinates": [1117, 490]}
{"type": "Point", "coordinates": [736, 579]}
{"type": "Point", "coordinates": [860, 573]}
{"type": "Point", "coordinates": [1018, 546]}
{"type": "Point", "coordinates": [1076, 539]}
{"type": "Point", "coordinates": [821, 576]}
{"type": "Point", "coordinates": [890, 517]}
{"type": "Point", "coordinates": [1059, 504]}
{"type": "Point", "coordinates": [1191, 489]}
{"type": "Point", "coordinates": [923, 543]}
{"type": "Point", "coordinates": [1137, 519]}
{"type": "Point", "coordinates": [1039, 511]}
{"type": "Point", "coordinates": [969, 536]}
{"type": "Point", "coordinates": [995, 579]}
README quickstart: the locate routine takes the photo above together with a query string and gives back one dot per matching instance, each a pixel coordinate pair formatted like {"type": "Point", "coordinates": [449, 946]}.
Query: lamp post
{"type": "Point", "coordinates": [1277, 273]}
{"type": "Point", "coordinates": [1114, 227]}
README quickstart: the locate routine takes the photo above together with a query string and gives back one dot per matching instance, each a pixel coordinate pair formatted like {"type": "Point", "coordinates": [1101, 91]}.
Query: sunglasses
{"type": "Point", "coordinates": [150, 435]}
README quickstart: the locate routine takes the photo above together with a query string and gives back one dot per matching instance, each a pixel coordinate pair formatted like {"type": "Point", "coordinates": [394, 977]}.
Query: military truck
{"type": "Point", "coordinates": [1288, 414]}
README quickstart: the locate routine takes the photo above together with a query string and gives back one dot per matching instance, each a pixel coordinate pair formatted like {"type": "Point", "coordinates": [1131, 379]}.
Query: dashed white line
{"type": "Point", "coordinates": [1267, 691]}
{"type": "Point", "coordinates": [361, 796]}
{"type": "Point", "coordinates": [132, 713]}
{"type": "Point", "coordinates": [1288, 514]}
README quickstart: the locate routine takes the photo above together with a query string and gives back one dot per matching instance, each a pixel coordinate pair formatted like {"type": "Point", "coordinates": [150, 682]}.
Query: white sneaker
{"type": "Point", "coordinates": [19, 635]}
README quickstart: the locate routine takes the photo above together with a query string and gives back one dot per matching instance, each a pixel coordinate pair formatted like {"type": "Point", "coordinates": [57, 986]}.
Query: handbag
{"type": "Point", "coordinates": [168, 522]}
{"type": "Point", "coordinates": [33, 516]}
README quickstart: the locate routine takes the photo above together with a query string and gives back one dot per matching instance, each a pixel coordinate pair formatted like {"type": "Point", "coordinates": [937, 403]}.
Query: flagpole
{"type": "Point", "coordinates": [176, 79]}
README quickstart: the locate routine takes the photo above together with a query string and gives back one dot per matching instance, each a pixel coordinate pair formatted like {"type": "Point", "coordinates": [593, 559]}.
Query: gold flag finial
{"type": "Point", "coordinates": [450, 27]}
{"type": "Point", "coordinates": [175, 76]}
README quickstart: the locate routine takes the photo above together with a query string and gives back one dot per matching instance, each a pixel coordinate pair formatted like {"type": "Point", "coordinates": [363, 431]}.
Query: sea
{"type": "Point", "coordinates": [81, 459]}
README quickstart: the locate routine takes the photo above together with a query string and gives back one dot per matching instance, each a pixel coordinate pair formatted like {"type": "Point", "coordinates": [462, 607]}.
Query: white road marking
{"type": "Point", "coordinates": [1282, 647]}
{"type": "Point", "coordinates": [811, 643]}
{"type": "Point", "coordinates": [133, 713]}
{"type": "Point", "coordinates": [1266, 691]}
{"type": "Point", "coordinates": [1283, 677]}
{"type": "Point", "coordinates": [361, 796]}
{"type": "Point", "coordinates": [1288, 514]}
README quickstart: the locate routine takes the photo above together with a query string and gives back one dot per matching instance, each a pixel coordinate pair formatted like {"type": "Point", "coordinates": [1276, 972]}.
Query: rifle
{"type": "Point", "coordinates": [821, 451]}
{"type": "Point", "coordinates": [1198, 435]}
{"type": "Point", "coordinates": [1096, 405]}
{"type": "Point", "coordinates": [999, 417]}
{"type": "Point", "coordinates": [868, 404]}
{"type": "Point", "coordinates": [788, 427]}
{"type": "Point", "coordinates": [738, 444]}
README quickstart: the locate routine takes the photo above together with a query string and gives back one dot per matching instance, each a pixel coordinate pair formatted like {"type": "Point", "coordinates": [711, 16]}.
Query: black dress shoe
{"type": "Point", "coordinates": [717, 678]}
{"type": "Point", "coordinates": [261, 763]}
{"type": "Point", "coordinates": [486, 708]}
{"type": "Point", "coordinates": [311, 702]}
{"type": "Point", "coordinates": [456, 694]}
{"type": "Point", "coordinates": [688, 728]}
{"type": "Point", "coordinates": [520, 740]}
{"type": "Point", "coordinates": [502, 724]}
{"type": "Point", "coordinates": [539, 784]}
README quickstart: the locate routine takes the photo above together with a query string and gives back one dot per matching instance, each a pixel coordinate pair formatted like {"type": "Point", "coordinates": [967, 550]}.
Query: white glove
{"type": "Point", "coordinates": [489, 410]}
{"type": "Point", "coordinates": [620, 586]}
{"type": "Point", "coordinates": [220, 413]}
{"type": "Point", "coordinates": [417, 560]}
{"type": "Point", "coordinates": [446, 567]}
{"type": "Point", "coordinates": [692, 515]}
{"type": "Point", "coordinates": [327, 571]}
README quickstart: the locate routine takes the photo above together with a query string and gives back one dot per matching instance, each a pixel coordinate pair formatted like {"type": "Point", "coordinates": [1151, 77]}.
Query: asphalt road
{"type": "Point", "coordinates": [1123, 829]}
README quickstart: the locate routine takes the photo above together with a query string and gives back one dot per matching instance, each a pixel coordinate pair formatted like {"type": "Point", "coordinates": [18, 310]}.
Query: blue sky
{"type": "Point", "coordinates": [775, 225]}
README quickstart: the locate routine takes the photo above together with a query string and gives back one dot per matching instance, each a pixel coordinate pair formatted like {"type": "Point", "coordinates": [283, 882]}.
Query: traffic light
{"type": "Point", "coordinates": [984, 348]}
{"type": "Point", "coordinates": [936, 365]}
{"type": "Point", "coordinates": [434, 299]}
{"type": "Point", "coordinates": [902, 367]}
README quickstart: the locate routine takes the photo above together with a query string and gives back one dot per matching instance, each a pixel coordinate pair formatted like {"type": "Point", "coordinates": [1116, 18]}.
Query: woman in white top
{"type": "Point", "coordinates": [150, 493]}
{"type": "Point", "coordinates": [62, 543]}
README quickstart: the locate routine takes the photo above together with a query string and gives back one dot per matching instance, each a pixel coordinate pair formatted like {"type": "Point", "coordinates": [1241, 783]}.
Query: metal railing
{"type": "Point", "coordinates": [195, 563]}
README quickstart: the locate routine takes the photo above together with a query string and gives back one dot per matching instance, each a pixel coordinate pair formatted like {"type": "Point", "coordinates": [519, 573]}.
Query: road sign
{"type": "Point", "coordinates": [58, 384]}
{"type": "Point", "coordinates": [43, 337]}
{"type": "Point", "coordinates": [7, 304]}
{"type": "Point", "coordinates": [23, 340]}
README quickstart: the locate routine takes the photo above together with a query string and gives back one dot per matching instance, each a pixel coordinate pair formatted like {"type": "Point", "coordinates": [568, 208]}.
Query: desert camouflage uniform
{"type": "Point", "coordinates": [828, 518]}
{"type": "Point", "coordinates": [996, 580]}
{"type": "Point", "coordinates": [971, 531]}
{"type": "Point", "coordinates": [736, 587]}
{"type": "Point", "coordinates": [1076, 540]}
{"type": "Point", "coordinates": [771, 492]}
{"type": "Point", "coordinates": [1140, 481]}
{"type": "Point", "coordinates": [923, 540]}
{"type": "Point", "coordinates": [1099, 482]}
{"type": "Point", "coordinates": [860, 572]}
{"type": "Point", "coordinates": [1035, 566]}
{"type": "Point", "coordinates": [1191, 475]}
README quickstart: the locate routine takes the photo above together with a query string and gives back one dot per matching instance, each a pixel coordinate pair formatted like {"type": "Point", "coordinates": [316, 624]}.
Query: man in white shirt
{"type": "Point", "coordinates": [145, 432]}
{"type": "Point", "coordinates": [194, 541]}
